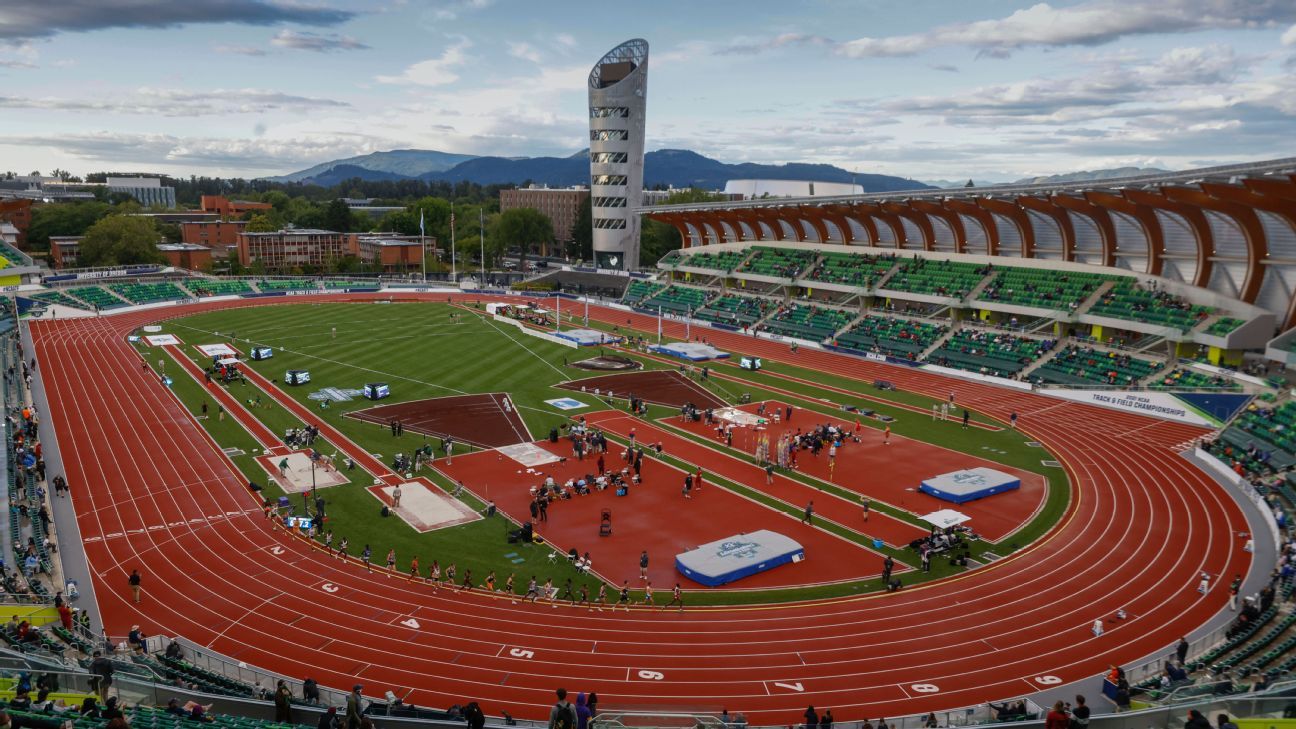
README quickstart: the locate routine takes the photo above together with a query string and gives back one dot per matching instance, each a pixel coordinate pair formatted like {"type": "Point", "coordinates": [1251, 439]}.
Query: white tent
{"type": "Point", "coordinates": [227, 361]}
{"type": "Point", "coordinates": [945, 518]}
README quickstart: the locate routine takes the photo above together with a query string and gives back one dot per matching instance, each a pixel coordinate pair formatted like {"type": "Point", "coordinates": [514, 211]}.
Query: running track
{"type": "Point", "coordinates": [152, 491]}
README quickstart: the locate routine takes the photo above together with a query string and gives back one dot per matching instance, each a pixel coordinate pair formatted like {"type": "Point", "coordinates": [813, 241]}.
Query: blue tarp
{"type": "Point", "coordinates": [733, 558]}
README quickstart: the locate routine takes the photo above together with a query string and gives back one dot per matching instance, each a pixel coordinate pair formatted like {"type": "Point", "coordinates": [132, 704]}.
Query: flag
{"type": "Point", "coordinates": [421, 221]}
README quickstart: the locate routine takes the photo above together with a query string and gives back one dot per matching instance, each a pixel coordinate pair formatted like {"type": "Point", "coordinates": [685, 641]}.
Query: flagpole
{"type": "Point", "coordinates": [453, 266]}
{"type": "Point", "coordinates": [481, 233]}
{"type": "Point", "coordinates": [422, 247]}
{"type": "Point", "coordinates": [659, 325]}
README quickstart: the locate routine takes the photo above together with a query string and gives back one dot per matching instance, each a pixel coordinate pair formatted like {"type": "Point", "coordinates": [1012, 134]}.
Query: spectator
{"type": "Point", "coordinates": [282, 699]}
{"type": "Point", "coordinates": [811, 717]}
{"type": "Point", "coordinates": [354, 706]}
{"type": "Point", "coordinates": [1222, 722]}
{"type": "Point", "coordinates": [310, 692]}
{"type": "Point", "coordinates": [173, 707]}
{"type": "Point", "coordinates": [1058, 719]}
{"type": "Point", "coordinates": [1195, 720]}
{"type": "Point", "coordinates": [102, 670]}
{"type": "Point", "coordinates": [826, 721]}
{"type": "Point", "coordinates": [110, 712]}
{"type": "Point", "coordinates": [1080, 714]}
{"type": "Point", "coordinates": [562, 715]}
{"type": "Point", "coordinates": [89, 708]}
{"type": "Point", "coordinates": [474, 716]}
{"type": "Point", "coordinates": [328, 720]}
{"type": "Point", "coordinates": [582, 712]}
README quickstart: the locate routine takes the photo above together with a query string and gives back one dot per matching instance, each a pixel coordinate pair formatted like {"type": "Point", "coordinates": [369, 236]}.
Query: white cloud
{"type": "Point", "coordinates": [747, 46]}
{"type": "Point", "coordinates": [316, 42]}
{"type": "Point", "coordinates": [237, 155]}
{"type": "Point", "coordinates": [176, 102]}
{"type": "Point", "coordinates": [525, 51]}
{"type": "Point", "coordinates": [241, 50]}
{"type": "Point", "coordinates": [1289, 38]}
{"type": "Point", "coordinates": [437, 71]}
{"type": "Point", "coordinates": [1084, 24]}
{"type": "Point", "coordinates": [565, 41]}
{"type": "Point", "coordinates": [453, 10]}
{"type": "Point", "coordinates": [6, 63]}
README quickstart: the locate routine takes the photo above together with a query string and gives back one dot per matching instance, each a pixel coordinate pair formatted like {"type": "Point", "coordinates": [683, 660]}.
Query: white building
{"type": "Point", "coordinates": [754, 189]}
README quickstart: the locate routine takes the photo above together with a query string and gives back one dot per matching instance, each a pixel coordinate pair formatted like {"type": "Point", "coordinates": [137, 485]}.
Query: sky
{"type": "Point", "coordinates": [929, 89]}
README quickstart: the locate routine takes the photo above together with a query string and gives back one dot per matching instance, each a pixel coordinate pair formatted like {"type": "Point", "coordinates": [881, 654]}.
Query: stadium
{"type": "Point", "coordinates": [1131, 410]}
{"type": "Point", "coordinates": [928, 458]}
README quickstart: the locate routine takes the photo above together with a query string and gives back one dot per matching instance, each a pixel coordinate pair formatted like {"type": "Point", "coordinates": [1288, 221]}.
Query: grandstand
{"type": "Point", "coordinates": [734, 310]}
{"type": "Point", "coordinates": [1059, 290]}
{"type": "Point", "coordinates": [676, 300]}
{"type": "Point", "coordinates": [723, 261]}
{"type": "Point", "coordinates": [849, 269]}
{"type": "Point", "coordinates": [1084, 365]}
{"type": "Point", "coordinates": [1129, 300]}
{"type": "Point", "coordinates": [905, 338]}
{"type": "Point", "coordinates": [148, 293]}
{"type": "Point", "coordinates": [287, 284]}
{"type": "Point", "coordinates": [936, 277]}
{"type": "Point", "coordinates": [991, 352]}
{"type": "Point", "coordinates": [806, 321]}
{"type": "Point", "coordinates": [97, 297]}
{"type": "Point", "coordinates": [772, 262]}
{"type": "Point", "coordinates": [218, 287]}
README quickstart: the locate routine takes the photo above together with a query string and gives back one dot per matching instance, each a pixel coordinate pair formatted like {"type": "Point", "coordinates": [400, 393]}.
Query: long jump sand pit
{"type": "Point", "coordinates": [488, 420]}
{"type": "Point", "coordinates": [661, 387]}
{"type": "Point", "coordinates": [296, 478]}
{"type": "Point", "coordinates": [424, 507]}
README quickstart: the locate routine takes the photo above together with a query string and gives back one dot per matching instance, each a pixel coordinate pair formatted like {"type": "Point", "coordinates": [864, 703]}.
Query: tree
{"type": "Point", "coordinates": [521, 227]}
{"type": "Point", "coordinates": [337, 216]}
{"type": "Point", "coordinates": [63, 219]}
{"type": "Point", "coordinates": [581, 246]}
{"type": "Point", "coordinates": [120, 240]}
{"type": "Point", "coordinates": [656, 239]}
{"type": "Point", "coordinates": [261, 223]}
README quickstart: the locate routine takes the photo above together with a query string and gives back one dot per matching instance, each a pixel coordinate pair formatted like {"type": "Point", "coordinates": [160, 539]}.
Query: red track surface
{"type": "Point", "coordinates": [655, 516]}
{"type": "Point", "coordinates": [833, 508]}
{"type": "Point", "coordinates": [893, 472]}
{"type": "Point", "coordinates": [152, 491]}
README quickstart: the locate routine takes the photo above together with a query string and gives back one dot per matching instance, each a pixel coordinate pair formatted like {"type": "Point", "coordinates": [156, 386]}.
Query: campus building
{"type": "Point", "coordinates": [17, 212]}
{"type": "Point", "coordinates": [561, 205]}
{"type": "Point", "coordinates": [284, 250]}
{"type": "Point", "coordinates": [187, 255]}
{"type": "Point", "coordinates": [393, 253]}
{"type": "Point", "coordinates": [148, 191]}
{"type": "Point", "coordinates": [227, 208]}
{"type": "Point", "coordinates": [618, 90]}
{"type": "Point", "coordinates": [63, 250]}
{"type": "Point", "coordinates": [217, 234]}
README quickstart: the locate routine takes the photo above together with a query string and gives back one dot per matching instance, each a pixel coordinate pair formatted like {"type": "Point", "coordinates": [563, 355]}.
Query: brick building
{"type": "Point", "coordinates": [285, 250]}
{"type": "Point", "coordinates": [560, 205]}
{"type": "Point", "coordinates": [19, 213]}
{"type": "Point", "coordinates": [220, 235]}
{"type": "Point", "coordinates": [227, 208]}
{"type": "Point", "coordinates": [64, 250]}
{"type": "Point", "coordinates": [187, 255]}
{"type": "Point", "coordinates": [394, 253]}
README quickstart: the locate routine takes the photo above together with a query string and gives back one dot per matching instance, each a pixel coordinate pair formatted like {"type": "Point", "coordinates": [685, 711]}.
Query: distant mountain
{"type": "Point", "coordinates": [950, 184]}
{"type": "Point", "coordinates": [671, 167]}
{"type": "Point", "coordinates": [551, 171]}
{"type": "Point", "coordinates": [341, 173]}
{"type": "Point", "coordinates": [403, 163]}
{"type": "Point", "coordinates": [1089, 175]}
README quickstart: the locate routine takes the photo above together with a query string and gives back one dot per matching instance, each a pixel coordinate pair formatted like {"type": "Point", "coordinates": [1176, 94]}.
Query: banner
{"type": "Point", "coordinates": [1155, 404]}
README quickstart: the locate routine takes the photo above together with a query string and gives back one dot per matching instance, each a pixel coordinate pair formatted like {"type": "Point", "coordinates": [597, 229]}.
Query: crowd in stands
{"type": "Point", "coordinates": [1129, 300]}
{"type": "Point", "coordinates": [1085, 364]}
{"type": "Point", "coordinates": [990, 352]}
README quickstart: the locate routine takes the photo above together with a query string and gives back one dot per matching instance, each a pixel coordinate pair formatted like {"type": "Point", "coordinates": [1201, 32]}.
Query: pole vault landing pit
{"type": "Point", "coordinates": [608, 363]}
{"type": "Point", "coordinates": [660, 387]}
{"type": "Point", "coordinates": [489, 420]}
